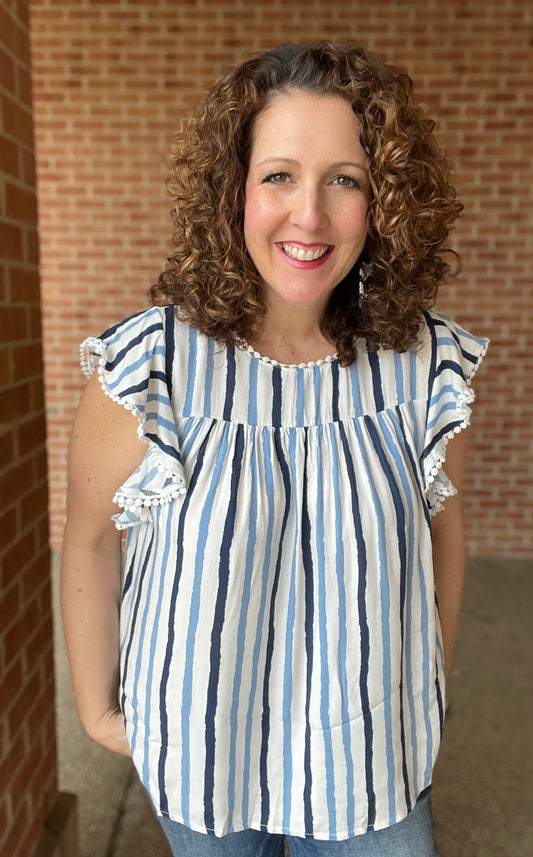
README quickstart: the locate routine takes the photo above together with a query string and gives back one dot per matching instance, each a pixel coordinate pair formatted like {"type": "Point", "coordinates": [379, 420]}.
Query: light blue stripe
{"type": "Point", "coordinates": [160, 398]}
{"type": "Point", "coordinates": [252, 393]}
{"type": "Point", "coordinates": [443, 390]}
{"type": "Point", "coordinates": [136, 665]}
{"type": "Point", "coordinates": [133, 368]}
{"type": "Point", "coordinates": [426, 678]}
{"type": "Point", "coordinates": [394, 446]}
{"type": "Point", "coordinates": [411, 398]}
{"type": "Point", "coordinates": [194, 613]}
{"type": "Point", "coordinates": [144, 479]}
{"type": "Point", "coordinates": [169, 425]}
{"type": "Point", "coordinates": [269, 494]}
{"type": "Point", "coordinates": [444, 338]}
{"type": "Point", "coordinates": [191, 371]}
{"type": "Point", "coordinates": [446, 406]}
{"type": "Point", "coordinates": [356, 393]}
{"type": "Point", "coordinates": [316, 388]}
{"type": "Point", "coordinates": [300, 396]}
{"type": "Point", "coordinates": [191, 429]}
{"type": "Point", "coordinates": [401, 392]}
{"type": "Point", "coordinates": [321, 573]}
{"type": "Point", "coordinates": [149, 693]}
{"type": "Point", "coordinates": [343, 633]}
{"type": "Point", "coordinates": [385, 602]}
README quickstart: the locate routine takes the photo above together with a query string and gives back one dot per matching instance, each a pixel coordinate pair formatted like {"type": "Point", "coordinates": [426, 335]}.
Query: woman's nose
{"type": "Point", "coordinates": [308, 209]}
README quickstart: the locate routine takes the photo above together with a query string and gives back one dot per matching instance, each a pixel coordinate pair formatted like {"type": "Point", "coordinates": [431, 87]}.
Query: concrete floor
{"type": "Point", "coordinates": [483, 783]}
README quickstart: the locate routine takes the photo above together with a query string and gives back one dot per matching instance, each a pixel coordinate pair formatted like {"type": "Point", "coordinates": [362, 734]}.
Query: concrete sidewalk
{"type": "Point", "coordinates": [484, 777]}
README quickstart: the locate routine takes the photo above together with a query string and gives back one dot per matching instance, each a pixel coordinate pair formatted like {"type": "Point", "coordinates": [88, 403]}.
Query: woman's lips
{"type": "Point", "coordinates": [304, 256]}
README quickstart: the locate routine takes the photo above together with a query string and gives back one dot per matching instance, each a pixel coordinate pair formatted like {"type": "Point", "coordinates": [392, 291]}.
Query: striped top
{"type": "Point", "coordinates": [281, 660]}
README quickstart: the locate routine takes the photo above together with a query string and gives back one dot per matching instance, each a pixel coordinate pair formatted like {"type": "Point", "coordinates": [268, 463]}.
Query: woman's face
{"type": "Point", "coordinates": [306, 197]}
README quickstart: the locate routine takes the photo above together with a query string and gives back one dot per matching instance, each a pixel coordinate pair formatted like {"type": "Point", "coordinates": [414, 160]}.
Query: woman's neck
{"type": "Point", "coordinates": [295, 337]}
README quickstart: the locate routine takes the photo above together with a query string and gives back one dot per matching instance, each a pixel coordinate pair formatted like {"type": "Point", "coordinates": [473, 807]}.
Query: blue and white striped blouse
{"type": "Point", "coordinates": [282, 666]}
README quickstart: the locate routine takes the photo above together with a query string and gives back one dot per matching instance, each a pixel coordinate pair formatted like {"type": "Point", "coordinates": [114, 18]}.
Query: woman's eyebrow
{"type": "Point", "coordinates": [335, 166]}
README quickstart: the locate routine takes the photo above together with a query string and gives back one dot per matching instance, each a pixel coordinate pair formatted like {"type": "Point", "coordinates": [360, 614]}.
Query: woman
{"type": "Point", "coordinates": [287, 600]}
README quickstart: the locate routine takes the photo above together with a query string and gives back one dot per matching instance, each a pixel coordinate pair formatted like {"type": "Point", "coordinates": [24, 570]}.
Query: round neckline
{"type": "Point", "coordinates": [311, 364]}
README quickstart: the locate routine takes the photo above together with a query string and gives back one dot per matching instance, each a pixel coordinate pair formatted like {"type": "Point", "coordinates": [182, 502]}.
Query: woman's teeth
{"type": "Point", "coordinates": [304, 255]}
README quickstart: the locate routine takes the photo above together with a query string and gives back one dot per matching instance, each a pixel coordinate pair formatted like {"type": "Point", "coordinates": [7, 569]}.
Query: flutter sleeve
{"type": "Point", "coordinates": [455, 358]}
{"type": "Point", "coordinates": [131, 362]}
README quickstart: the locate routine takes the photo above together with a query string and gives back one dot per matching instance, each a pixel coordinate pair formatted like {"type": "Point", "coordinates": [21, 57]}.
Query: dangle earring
{"type": "Point", "coordinates": [363, 275]}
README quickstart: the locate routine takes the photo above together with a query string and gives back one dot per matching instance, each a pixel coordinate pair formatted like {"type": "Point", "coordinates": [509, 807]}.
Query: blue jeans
{"type": "Point", "coordinates": [411, 837]}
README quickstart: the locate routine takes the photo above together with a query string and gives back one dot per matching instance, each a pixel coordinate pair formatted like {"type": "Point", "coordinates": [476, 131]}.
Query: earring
{"type": "Point", "coordinates": [363, 274]}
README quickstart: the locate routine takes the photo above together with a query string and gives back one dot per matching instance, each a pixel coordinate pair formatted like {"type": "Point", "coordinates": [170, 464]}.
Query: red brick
{"type": "Point", "coordinates": [24, 285]}
{"type": "Point", "coordinates": [13, 323]}
{"type": "Point", "coordinates": [17, 120]}
{"type": "Point", "coordinates": [7, 449]}
{"type": "Point", "coordinates": [10, 684]}
{"type": "Point", "coordinates": [9, 156]}
{"type": "Point", "coordinates": [21, 204]}
{"type": "Point", "coordinates": [19, 824]}
{"type": "Point", "coordinates": [25, 699]}
{"type": "Point", "coordinates": [15, 401]}
{"type": "Point", "coordinates": [28, 362]}
{"type": "Point", "coordinates": [11, 242]}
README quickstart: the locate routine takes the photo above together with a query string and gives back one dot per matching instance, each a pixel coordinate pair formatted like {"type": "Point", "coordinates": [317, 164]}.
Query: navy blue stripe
{"type": "Point", "coordinates": [473, 358]}
{"type": "Point", "coordinates": [363, 626]}
{"type": "Point", "coordinates": [440, 695]}
{"type": "Point", "coordinates": [230, 382]}
{"type": "Point", "coordinates": [135, 388]}
{"type": "Point", "coordinates": [170, 450]}
{"type": "Point", "coordinates": [432, 374]}
{"type": "Point", "coordinates": [307, 561]}
{"type": "Point", "coordinates": [401, 529]}
{"type": "Point", "coordinates": [450, 364]}
{"type": "Point", "coordinates": [119, 356]}
{"type": "Point", "coordinates": [158, 376]}
{"type": "Point", "coordinates": [276, 396]}
{"type": "Point", "coordinates": [335, 392]}
{"type": "Point", "coordinates": [265, 723]}
{"type": "Point", "coordinates": [170, 329]}
{"type": "Point", "coordinates": [442, 433]}
{"type": "Point", "coordinates": [377, 388]}
{"type": "Point", "coordinates": [216, 633]}
{"type": "Point", "coordinates": [128, 577]}
{"type": "Point", "coordinates": [414, 466]}
{"type": "Point", "coordinates": [133, 623]}
{"type": "Point", "coordinates": [171, 630]}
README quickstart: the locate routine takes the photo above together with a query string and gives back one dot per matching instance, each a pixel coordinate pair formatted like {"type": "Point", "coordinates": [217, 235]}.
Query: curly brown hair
{"type": "Point", "coordinates": [412, 205]}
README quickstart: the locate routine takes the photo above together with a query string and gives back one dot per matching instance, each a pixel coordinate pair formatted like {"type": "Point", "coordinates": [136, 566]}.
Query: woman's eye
{"type": "Point", "coordinates": [276, 178]}
{"type": "Point", "coordinates": [346, 181]}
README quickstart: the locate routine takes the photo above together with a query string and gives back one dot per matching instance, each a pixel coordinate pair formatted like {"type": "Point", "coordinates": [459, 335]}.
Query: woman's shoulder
{"type": "Point", "coordinates": [447, 339]}
{"type": "Point", "coordinates": [155, 327]}
{"type": "Point", "coordinates": [151, 319]}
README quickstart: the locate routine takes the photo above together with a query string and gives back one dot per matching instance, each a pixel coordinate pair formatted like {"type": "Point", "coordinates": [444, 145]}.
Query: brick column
{"type": "Point", "coordinates": [28, 781]}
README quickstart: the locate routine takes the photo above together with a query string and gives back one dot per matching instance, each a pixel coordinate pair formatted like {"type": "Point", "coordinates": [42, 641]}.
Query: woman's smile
{"type": "Point", "coordinates": [305, 255]}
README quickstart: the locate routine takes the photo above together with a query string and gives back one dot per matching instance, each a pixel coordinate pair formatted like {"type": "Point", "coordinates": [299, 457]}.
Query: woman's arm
{"type": "Point", "coordinates": [449, 548]}
{"type": "Point", "coordinates": [104, 451]}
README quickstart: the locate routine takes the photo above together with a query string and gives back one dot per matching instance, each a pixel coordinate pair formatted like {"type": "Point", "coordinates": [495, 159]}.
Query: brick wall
{"type": "Point", "coordinates": [27, 724]}
{"type": "Point", "coordinates": [112, 81]}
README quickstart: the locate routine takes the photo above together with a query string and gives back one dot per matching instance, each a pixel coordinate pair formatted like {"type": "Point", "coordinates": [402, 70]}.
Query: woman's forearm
{"type": "Point", "coordinates": [449, 568]}
{"type": "Point", "coordinates": [449, 548]}
{"type": "Point", "coordinates": [90, 598]}
{"type": "Point", "coordinates": [104, 450]}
